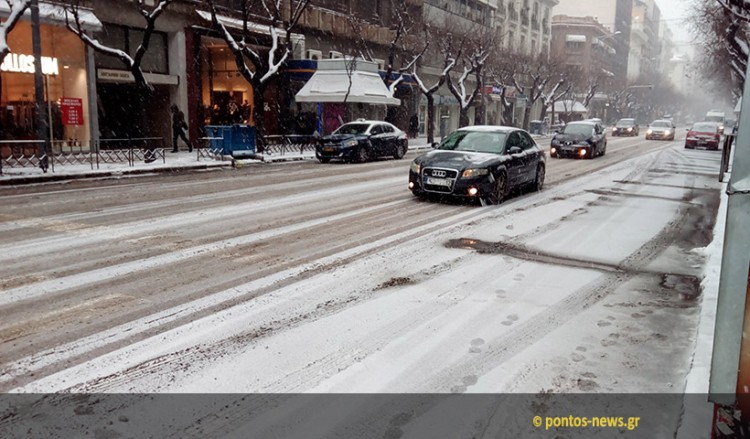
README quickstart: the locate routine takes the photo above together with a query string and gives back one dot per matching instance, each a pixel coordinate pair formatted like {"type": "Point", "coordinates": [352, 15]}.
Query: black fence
{"type": "Point", "coordinates": [37, 154]}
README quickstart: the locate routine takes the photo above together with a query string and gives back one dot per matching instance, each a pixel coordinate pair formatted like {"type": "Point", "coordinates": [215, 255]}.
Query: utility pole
{"type": "Point", "coordinates": [41, 119]}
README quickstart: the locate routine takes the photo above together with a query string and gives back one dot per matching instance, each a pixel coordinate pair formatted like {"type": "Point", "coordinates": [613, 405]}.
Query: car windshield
{"type": "Point", "coordinates": [353, 128]}
{"type": "Point", "coordinates": [704, 127]}
{"type": "Point", "coordinates": [714, 119]}
{"type": "Point", "coordinates": [579, 128]}
{"type": "Point", "coordinates": [661, 124]}
{"type": "Point", "coordinates": [475, 141]}
{"type": "Point", "coordinates": [625, 123]}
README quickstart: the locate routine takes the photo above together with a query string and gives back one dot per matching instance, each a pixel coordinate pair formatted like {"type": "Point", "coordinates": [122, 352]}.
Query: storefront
{"type": "Point", "coordinates": [66, 85]}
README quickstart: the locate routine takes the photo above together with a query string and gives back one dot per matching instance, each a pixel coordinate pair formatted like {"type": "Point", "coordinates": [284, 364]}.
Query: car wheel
{"type": "Point", "coordinates": [324, 160]}
{"type": "Point", "coordinates": [502, 188]}
{"type": "Point", "coordinates": [594, 152]}
{"type": "Point", "coordinates": [539, 182]}
{"type": "Point", "coordinates": [362, 154]}
{"type": "Point", "coordinates": [604, 150]}
{"type": "Point", "coordinates": [400, 151]}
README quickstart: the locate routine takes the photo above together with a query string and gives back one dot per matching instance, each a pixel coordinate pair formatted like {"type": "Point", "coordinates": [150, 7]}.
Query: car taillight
{"type": "Point", "coordinates": [691, 134]}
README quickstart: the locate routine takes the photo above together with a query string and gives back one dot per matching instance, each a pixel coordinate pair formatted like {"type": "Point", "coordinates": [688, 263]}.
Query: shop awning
{"type": "Point", "coordinates": [334, 81]}
{"type": "Point", "coordinates": [55, 14]}
{"type": "Point", "coordinates": [235, 23]}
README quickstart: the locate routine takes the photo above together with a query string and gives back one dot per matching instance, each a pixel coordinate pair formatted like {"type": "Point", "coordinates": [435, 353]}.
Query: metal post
{"type": "Point", "coordinates": [730, 363]}
{"type": "Point", "coordinates": [41, 120]}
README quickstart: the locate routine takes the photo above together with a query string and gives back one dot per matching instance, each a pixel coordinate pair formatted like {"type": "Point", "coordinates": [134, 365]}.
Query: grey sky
{"type": "Point", "coordinates": [677, 15]}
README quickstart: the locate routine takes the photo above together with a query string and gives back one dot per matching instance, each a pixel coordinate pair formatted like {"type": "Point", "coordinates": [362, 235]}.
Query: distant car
{"type": "Point", "coordinates": [582, 139]}
{"type": "Point", "coordinates": [717, 116]}
{"type": "Point", "coordinates": [361, 141]}
{"type": "Point", "coordinates": [595, 120]}
{"type": "Point", "coordinates": [703, 135]}
{"type": "Point", "coordinates": [660, 129]}
{"type": "Point", "coordinates": [479, 162]}
{"type": "Point", "coordinates": [625, 127]}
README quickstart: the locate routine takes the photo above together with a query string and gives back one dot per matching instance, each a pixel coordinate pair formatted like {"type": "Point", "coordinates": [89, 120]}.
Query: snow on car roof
{"type": "Point", "coordinates": [487, 128]}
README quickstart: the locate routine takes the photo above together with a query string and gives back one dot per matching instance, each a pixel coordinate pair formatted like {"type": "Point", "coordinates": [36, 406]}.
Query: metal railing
{"type": "Point", "coordinates": [290, 144]}
{"type": "Point", "coordinates": [37, 154]}
{"type": "Point", "coordinates": [726, 150]}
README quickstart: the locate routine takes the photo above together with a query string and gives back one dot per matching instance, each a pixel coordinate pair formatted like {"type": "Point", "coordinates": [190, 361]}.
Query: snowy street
{"type": "Point", "coordinates": [310, 278]}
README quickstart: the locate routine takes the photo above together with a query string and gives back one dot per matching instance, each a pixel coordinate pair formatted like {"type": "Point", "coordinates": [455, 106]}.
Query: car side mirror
{"type": "Point", "coordinates": [434, 145]}
{"type": "Point", "coordinates": [514, 150]}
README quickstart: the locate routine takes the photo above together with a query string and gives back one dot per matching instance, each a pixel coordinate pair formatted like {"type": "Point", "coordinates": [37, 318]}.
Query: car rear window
{"type": "Point", "coordinates": [579, 128]}
{"type": "Point", "coordinates": [705, 127]}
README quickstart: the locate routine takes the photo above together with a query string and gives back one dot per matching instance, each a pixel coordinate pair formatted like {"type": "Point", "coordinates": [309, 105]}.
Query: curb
{"type": "Point", "coordinates": [46, 178]}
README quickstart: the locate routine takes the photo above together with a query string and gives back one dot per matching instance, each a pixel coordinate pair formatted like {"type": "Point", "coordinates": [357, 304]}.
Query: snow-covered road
{"type": "Point", "coordinates": [592, 285]}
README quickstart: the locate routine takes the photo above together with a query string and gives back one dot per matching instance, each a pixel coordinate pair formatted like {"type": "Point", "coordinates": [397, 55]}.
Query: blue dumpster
{"type": "Point", "coordinates": [235, 140]}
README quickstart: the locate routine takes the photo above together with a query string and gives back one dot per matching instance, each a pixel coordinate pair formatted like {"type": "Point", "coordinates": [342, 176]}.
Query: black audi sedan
{"type": "Point", "coordinates": [582, 139]}
{"type": "Point", "coordinates": [361, 141]}
{"type": "Point", "coordinates": [479, 162]}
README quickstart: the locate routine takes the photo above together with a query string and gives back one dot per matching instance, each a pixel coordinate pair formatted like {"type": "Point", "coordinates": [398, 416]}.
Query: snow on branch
{"type": "Point", "coordinates": [17, 8]}
{"type": "Point", "coordinates": [133, 64]}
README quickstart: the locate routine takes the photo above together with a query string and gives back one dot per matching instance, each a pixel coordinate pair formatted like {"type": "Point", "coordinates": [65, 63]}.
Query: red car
{"type": "Point", "coordinates": [703, 135]}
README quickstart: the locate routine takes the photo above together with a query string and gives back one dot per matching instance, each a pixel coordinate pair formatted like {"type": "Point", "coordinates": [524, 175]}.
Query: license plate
{"type": "Point", "coordinates": [439, 181]}
{"type": "Point", "coordinates": [701, 143]}
{"type": "Point", "coordinates": [329, 149]}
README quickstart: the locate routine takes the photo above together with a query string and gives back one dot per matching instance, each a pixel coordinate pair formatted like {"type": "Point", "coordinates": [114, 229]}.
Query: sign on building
{"type": "Point", "coordinates": [72, 111]}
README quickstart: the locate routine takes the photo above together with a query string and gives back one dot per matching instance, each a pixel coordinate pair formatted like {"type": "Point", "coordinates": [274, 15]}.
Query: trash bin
{"type": "Point", "coordinates": [235, 140]}
{"type": "Point", "coordinates": [536, 127]}
{"type": "Point", "coordinates": [242, 141]}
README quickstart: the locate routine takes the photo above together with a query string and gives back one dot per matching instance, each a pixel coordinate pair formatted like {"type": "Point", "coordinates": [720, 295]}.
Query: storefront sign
{"type": "Point", "coordinates": [16, 63]}
{"type": "Point", "coordinates": [110, 75]}
{"type": "Point", "coordinates": [72, 111]}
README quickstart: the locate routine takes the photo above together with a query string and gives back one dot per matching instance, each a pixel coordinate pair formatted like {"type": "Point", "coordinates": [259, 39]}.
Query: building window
{"type": "Point", "coordinates": [155, 59]}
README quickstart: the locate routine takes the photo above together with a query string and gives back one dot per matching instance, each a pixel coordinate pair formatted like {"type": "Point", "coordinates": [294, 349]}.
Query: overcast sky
{"type": "Point", "coordinates": [677, 15]}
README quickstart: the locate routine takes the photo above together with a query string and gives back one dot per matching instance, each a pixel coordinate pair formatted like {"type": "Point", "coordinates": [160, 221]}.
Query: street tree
{"type": "Point", "coordinates": [536, 75]}
{"type": "Point", "coordinates": [722, 26]}
{"type": "Point", "coordinates": [441, 39]}
{"type": "Point", "coordinates": [500, 71]}
{"type": "Point", "coordinates": [256, 67]}
{"type": "Point", "coordinates": [132, 63]}
{"type": "Point", "coordinates": [17, 8]}
{"type": "Point", "coordinates": [471, 53]}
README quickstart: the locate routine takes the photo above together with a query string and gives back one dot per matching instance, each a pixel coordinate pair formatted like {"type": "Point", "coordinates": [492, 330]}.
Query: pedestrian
{"type": "Point", "coordinates": [178, 128]}
{"type": "Point", "coordinates": [413, 126]}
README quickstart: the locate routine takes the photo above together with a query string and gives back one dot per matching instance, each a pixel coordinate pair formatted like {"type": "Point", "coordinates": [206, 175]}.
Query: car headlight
{"type": "Point", "coordinates": [649, 132]}
{"type": "Point", "coordinates": [352, 142]}
{"type": "Point", "coordinates": [630, 129]}
{"type": "Point", "coordinates": [474, 172]}
{"type": "Point", "coordinates": [415, 167]}
{"type": "Point", "coordinates": [614, 129]}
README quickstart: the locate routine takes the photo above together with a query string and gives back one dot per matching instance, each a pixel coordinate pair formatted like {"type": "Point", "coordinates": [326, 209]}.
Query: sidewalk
{"type": "Point", "coordinates": [174, 162]}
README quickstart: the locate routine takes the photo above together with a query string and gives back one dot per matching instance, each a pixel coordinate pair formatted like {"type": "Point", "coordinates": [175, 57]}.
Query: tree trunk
{"type": "Point", "coordinates": [526, 116]}
{"type": "Point", "coordinates": [463, 117]}
{"type": "Point", "coordinates": [259, 114]}
{"type": "Point", "coordinates": [430, 118]}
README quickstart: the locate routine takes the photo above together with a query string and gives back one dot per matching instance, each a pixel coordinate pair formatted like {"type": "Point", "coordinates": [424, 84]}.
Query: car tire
{"type": "Point", "coordinates": [362, 155]}
{"type": "Point", "coordinates": [399, 153]}
{"type": "Point", "coordinates": [604, 150]}
{"type": "Point", "coordinates": [539, 181]}
{"type": "Point", "coordinates": [501, 190]}
{"type": "Point", "coordinates": [594, 152]}
{"type": "Point", "coordinates": [324, 160]}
